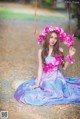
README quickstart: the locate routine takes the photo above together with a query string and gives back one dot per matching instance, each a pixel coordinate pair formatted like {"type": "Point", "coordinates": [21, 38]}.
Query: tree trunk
{"type": "Point", "coordinates": [40, 3]}
{"type": "Point", "coordinates": [78, 17]}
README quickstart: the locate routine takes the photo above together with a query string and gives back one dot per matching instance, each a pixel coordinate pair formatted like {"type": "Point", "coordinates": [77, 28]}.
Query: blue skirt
{"type": "Point", "coordinates": [54, 89]}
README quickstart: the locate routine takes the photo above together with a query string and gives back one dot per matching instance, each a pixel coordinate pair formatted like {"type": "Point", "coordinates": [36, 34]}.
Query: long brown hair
{"type": "Point", "coordinates": [55, 51]}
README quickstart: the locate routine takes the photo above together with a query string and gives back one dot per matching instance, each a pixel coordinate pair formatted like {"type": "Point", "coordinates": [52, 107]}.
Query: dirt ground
{"type": "Point", "coordinates": [18, 63]}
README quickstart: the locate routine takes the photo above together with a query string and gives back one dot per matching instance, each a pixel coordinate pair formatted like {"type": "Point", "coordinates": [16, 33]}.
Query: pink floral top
{"type": "Point", "coordinates": [53, 65]}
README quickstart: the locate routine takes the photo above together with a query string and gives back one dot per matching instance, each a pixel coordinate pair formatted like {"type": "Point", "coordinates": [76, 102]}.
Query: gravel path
{"type": "Point", "coordinates": [18, 63]}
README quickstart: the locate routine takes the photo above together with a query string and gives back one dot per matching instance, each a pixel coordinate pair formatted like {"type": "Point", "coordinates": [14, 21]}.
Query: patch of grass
{"type": "Point", "coordinates": [23, 16]}
{"type": "Point", "coordinates": [12, 15]}
{"type": "Point", "coordinates": [41, 17]}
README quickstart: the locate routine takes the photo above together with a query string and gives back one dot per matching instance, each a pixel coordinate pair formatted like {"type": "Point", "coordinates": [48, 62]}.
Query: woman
{"type": "Point", "coordinates": [50, 86]}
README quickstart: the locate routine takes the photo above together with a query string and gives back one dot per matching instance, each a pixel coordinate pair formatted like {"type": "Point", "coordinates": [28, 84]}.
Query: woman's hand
{"type": "Point", "coordinates": [72, 51]}
{"type": "Point", "coordinates": [64, 68]}
{"type": "Point", "coordinates": [35, 86]}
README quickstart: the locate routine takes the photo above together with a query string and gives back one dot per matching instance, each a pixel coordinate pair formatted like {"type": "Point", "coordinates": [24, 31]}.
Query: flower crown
{"type": "Point", "coordinates": [67, 39]}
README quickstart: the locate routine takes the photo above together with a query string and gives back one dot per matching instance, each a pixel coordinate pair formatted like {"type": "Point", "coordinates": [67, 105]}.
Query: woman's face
{"type": "Point", "coordinates": [53, 39]}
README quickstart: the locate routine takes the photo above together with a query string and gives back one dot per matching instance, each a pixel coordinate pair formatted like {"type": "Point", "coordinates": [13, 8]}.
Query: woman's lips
{"type": "Point", "coordinates": [52, 42]}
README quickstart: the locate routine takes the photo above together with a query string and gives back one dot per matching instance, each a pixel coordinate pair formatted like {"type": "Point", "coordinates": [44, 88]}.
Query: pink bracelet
{"type": "Point", "coordinates": [70, 59]}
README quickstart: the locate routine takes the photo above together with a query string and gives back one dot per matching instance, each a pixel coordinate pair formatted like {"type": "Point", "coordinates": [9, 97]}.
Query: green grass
{"type": "Point", "coordinates": [23, 16]}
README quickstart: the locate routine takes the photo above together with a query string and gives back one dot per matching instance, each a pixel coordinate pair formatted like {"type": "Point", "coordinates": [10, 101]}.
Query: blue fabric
{"type": "Point", "coordinates": [54, 88]}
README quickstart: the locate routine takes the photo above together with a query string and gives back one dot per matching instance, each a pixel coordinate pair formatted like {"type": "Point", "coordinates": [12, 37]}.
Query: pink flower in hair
{"type": "Point", "coordinates": [62, 36]}
{"type": "Point", "coordinates": [43, 33]}
{"type": "Point", "coordinates": [69, 41]}
{"type": "Point", "coordinates": [51, 28]}
{"type": "Point", "coordinates": [58, 30]}
{"type": "Point", "coordinates": [41, 38]}
{"type": "Point", "coordinates": [66, 39]}
{"type": "Point", "coordinates": [46, 30]}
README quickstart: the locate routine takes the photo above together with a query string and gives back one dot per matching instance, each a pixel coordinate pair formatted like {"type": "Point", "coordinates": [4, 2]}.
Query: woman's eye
{"type": "Point", "coordinates": [51, 37]}
{"type": "Point", "coordinates": [56, 38]}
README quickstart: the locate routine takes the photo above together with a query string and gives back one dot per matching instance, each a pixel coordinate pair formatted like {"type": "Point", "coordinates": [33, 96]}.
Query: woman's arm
{"type": "Point", "coordinates": [39, 70]}
{"type": "Point", "coordinates": [65, 65]}
{"type": "Point", "coordinates": [39, 67]}
{"type": "Point", "coordinates": [70, 58]}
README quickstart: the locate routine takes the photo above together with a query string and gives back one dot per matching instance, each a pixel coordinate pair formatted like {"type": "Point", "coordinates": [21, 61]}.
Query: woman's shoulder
{"type": "Point", "coordinates": [40, 50]}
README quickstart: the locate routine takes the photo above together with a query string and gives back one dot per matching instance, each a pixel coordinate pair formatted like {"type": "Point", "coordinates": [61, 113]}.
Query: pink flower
{"type": "Point", "coordinates": [63, 37]}
{"type": "Point", "coordinates": [43, 33]}
{"type": "Point", "coordinates": [58, 58]}
{"type": "Point", "coordinates": [58, 30]}
{"type": "Point", "coordinates": [70, 59]}
{"type": "Point", "coordinates": [41, 38]}
{"type": "Point", "coordinates": [46, 30]}
{"type": "Point", "coordinates": [51, 28]}
{"type": "Point", "coordinates": [52, 66]}
{"type": "Point", "coordinates": [69, 41]}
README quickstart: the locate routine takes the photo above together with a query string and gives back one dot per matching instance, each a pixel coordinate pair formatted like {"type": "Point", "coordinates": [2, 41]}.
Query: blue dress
{"type": "Point", "coordinates": [54, 88]}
